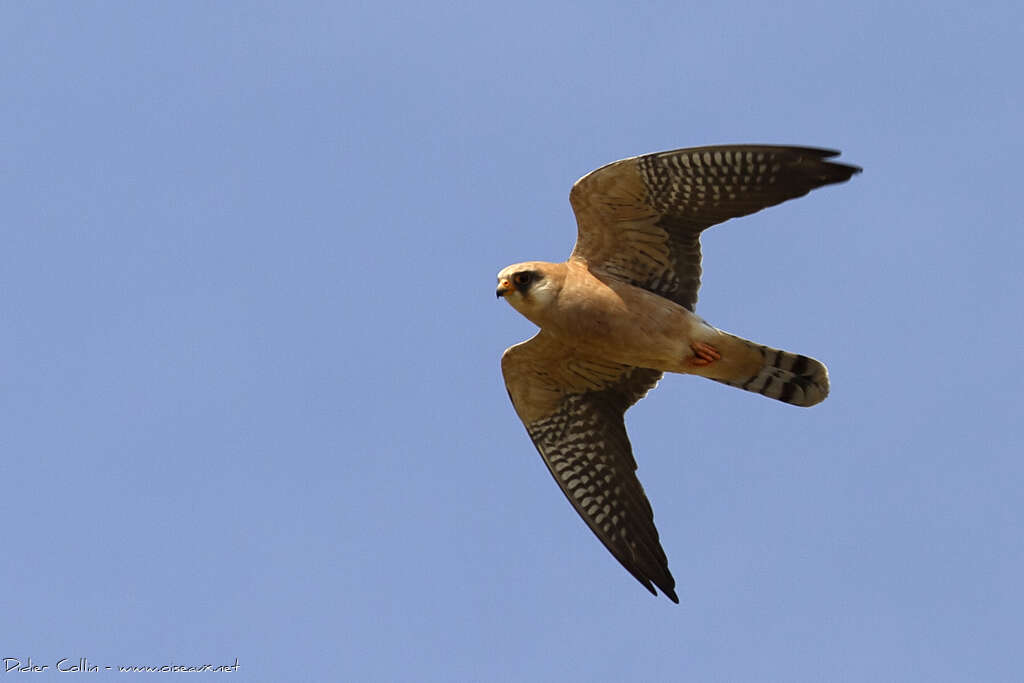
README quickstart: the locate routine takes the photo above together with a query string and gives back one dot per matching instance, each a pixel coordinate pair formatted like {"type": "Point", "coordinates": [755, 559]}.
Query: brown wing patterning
{"type": "Point", "coordinates": [643, 221]}
{"type": "Point", "coordinates": [639, 221]}
{"type": "Point", "coordinates": [582, 439]}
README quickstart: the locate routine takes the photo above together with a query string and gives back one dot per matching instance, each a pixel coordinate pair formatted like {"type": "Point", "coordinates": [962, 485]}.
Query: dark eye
{"type": "Point", "coordinates": [522, 279]}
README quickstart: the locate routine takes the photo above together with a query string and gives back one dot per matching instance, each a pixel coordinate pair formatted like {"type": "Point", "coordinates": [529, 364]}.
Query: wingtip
{"type": "Point", "coordinates": [667, 589]}
{"type": "Point", "coordinates": [843, 169]}
{"type": "Point", "coordinates": [840, 173]}
{"type": "Point", "coordinates": [820, 152]}
{"type": "Point", "coordinates": [830, 171]}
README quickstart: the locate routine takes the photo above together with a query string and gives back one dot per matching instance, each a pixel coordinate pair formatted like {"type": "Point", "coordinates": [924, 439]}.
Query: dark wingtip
{"type": "Point", "coordinates": [839, 171]}
{"type": "Point", "coordinates": [820, 152]}
{"type": "Point", "coordinates": [827, 172]}
{"type": "Point", "coordinates": [667, 587]}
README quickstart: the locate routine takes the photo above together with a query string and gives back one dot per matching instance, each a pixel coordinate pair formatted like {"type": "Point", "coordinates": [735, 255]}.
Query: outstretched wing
{"type": "Point", "coordinates": [573, 409]}
{"type": "Point", "coordinates": [640, 219]}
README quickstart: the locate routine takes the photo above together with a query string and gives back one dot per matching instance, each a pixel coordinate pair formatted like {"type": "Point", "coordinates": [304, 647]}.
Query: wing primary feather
{"type": "Point", "coordinates": [669, 198]}
{"type": "Point", "coordinates": [640, 220]}
{"type": "Point", "coordinates": [583, 441]}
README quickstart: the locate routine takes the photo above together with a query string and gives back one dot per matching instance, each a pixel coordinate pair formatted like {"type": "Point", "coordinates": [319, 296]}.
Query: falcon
{"type": "Point", "coordinates": [620, 312]}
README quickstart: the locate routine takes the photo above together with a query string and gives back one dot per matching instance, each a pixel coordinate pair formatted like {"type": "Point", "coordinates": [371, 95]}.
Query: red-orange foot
{"type": "Point", "coordinates": [703, 354]}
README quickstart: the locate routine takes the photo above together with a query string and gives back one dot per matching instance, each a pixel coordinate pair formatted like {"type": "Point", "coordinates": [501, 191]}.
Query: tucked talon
{"type": "Point", "coordinates": [703, 354]}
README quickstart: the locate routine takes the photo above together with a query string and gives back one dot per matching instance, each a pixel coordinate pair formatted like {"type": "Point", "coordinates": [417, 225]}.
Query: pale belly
{"type": "Point", "coordinates": [633, 326]}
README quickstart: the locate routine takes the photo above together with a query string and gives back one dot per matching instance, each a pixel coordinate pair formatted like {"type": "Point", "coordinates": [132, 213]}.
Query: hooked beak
{"type": "Point", "coordinates": [504, 287]}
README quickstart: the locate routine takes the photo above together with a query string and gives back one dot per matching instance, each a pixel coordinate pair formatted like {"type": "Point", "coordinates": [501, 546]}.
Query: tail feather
{"type": "Point", "coordinates": [788, 377]}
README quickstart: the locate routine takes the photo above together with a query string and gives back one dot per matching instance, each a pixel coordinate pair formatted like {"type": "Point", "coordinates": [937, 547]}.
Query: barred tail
{"type": "Point", "coordinates": [788, 377]}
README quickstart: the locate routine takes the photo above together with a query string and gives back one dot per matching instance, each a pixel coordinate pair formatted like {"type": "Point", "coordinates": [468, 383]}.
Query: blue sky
{"type": "Point", "coordinates": [249, 348]}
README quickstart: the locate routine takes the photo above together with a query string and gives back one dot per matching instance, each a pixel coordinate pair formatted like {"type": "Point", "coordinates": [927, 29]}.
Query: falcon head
{"type": "Point", "coordinates": [529, 287]}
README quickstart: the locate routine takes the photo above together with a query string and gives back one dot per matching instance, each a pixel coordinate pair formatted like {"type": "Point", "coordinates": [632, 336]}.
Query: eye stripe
{"type": "Point", "coordinates": [522, 279]}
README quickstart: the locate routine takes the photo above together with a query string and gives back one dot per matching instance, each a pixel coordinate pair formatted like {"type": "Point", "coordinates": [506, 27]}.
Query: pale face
{"type": "Point", "coordinates": [527, 287]}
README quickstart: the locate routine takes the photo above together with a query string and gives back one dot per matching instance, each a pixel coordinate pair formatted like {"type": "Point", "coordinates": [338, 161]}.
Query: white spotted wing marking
{"type": "Point", "coordinates": [640, 218]}
{"type": "Point", "coordinates": [579, 430]}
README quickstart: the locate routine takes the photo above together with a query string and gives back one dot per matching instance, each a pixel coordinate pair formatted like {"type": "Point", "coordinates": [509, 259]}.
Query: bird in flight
{"type": "Point", "coordinates": [621, 311]}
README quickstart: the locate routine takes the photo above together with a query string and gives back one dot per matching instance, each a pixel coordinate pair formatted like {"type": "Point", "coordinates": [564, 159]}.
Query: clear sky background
{"type": "Point", "coordinates": [250, 396]}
